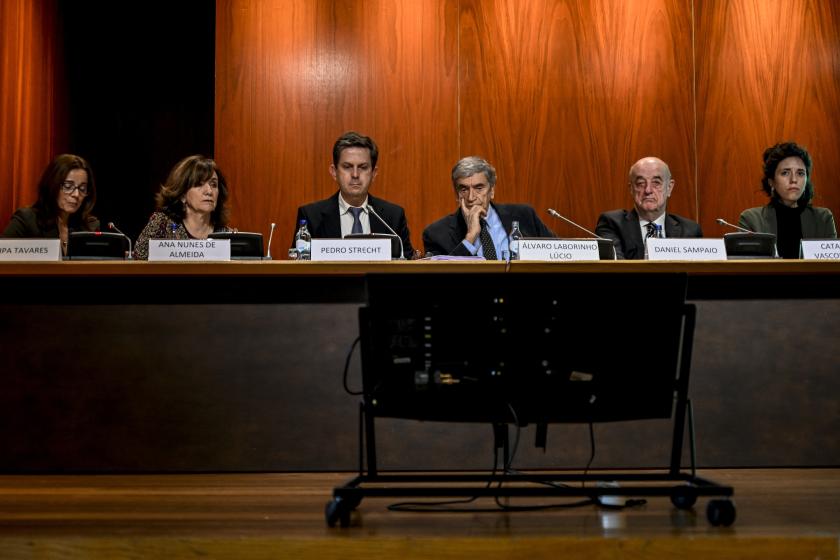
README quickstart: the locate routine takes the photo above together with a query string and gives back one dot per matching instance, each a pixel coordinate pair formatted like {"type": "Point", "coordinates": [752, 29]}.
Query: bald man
{"type": "Point", "coordinates": [650, 186]}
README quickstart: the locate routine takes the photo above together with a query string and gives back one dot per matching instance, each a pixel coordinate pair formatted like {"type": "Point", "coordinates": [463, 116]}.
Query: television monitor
{"type": "Point", "coordinates": [97, 245]}
{"type": "Point", "coordinates": [744, 245]}
{"type": "Point", "coordinates": [529, 348]}
{"type": "Point", "coordinates": [243, 245]}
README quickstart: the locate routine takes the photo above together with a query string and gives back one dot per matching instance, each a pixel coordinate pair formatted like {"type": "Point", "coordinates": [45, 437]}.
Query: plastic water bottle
{"type": "Point", "coordinates": [303, 242]}
{"type": "Point", "coordinates": [173, 231]}
{"type": "Point", "coordinates": [513, 241]}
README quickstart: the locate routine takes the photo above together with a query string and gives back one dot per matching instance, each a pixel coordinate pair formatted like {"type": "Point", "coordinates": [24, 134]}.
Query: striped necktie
{"type": "Point", "coordinates": [487, 242]}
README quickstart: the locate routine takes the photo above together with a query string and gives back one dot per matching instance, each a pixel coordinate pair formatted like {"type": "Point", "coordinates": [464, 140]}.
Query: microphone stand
{"type": "Point", "coordinates": [723, 222]}
{"type": "Point", "coordinates": [378, 217]}
{"type": "Point", "coordinates": [115, 228]}
{"type": "Point", "coordinates": [557, 214]}
{"type": "Point", "coordinates": [268, 247]}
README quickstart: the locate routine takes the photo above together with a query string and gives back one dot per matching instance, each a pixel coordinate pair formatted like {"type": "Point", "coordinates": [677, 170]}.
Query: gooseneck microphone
{"type": "Point", "coordinates": [557, 214]}
{"type": "Point", "coordinates": [112, 227]}
{"type": "Point", "coordinates": [268, 247]}
{"type": "Point", "coordinates": [378, 217]}
{"type": "Point", "coordinates": [723, 222]}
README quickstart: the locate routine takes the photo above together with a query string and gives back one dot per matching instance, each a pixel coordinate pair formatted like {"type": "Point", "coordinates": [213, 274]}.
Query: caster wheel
{"type": "Point", "coordinates": [337, 511]}
{"type": "Point", "coordinates": [683, 497]}
{"type": "Point", "coordinates": [721, 513]}
{"type": "Point", "coordinates": [352, 501]}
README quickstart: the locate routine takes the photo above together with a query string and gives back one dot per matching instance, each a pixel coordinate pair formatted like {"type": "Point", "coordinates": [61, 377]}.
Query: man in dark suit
{"type": "Point", "coordinates": [352, 209]}
{"type": "Point", "coordinates": [650, 185]}
{"type": "Point", "coordinates": [479, 227]}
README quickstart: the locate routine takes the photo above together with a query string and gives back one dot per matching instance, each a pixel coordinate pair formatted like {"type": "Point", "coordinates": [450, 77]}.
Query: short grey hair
{"type": "Point", "coordinates": [469, 166]}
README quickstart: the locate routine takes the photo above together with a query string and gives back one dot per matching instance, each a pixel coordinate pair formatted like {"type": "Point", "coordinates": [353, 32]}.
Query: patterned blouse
{"type": "Point", "coordinates": [161, 226]}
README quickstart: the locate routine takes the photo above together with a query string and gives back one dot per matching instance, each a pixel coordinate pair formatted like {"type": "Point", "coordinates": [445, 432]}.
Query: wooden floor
{"type": "Point", "coordinates": [782, 513]}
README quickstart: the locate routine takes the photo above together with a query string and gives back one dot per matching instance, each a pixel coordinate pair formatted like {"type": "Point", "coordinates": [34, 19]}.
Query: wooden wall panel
{"type": "Point", "coordinates": [767, 71]}
{"type": "Point", "coordinates": [31, 131]}
{"type": "Point", "coordinates": [563, 96]}
{"type": "Point", "coordinates": [293, 75]}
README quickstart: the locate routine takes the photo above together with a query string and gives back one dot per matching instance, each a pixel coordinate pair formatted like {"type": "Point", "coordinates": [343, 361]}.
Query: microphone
{"type": "Point", "coordinates": [111, 226]}
{"type": "Point", "coordinates": [723, 222]}
{"type": "Point", "coordinates": [402, 249]}
{"type": "Point", "coordinates": [557, 214]}
{"type": "Point", "coordinates": [268, 247]}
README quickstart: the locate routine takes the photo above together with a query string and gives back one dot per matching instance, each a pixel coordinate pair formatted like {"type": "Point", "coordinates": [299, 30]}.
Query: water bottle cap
{"type": "Point", "coordinates": [303, 222]}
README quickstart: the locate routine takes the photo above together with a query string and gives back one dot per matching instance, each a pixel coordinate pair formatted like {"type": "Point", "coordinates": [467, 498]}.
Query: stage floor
{"type": "Point", "coordinates": [782, 513]}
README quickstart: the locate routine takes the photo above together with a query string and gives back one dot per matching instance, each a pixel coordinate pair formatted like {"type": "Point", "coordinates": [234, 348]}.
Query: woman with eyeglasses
{"type": "Point", "coordinates": [66, 195]}
{"type": "Point", "coordinates": [192, 204]}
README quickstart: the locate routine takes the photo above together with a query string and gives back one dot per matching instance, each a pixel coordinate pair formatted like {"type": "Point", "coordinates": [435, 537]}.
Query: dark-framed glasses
{"type": "Point", "coordinates": [67, 187]}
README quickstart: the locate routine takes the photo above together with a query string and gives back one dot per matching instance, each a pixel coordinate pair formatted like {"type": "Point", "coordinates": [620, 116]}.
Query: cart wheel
{"type": "Point", "coordinates": [721, 513]}
{"type": "Point", "coordinates": [683, 497]}
{"type": "Point", "coordinates": [352, 501]}
{"type": "Point", "coordinates": [337, 511]}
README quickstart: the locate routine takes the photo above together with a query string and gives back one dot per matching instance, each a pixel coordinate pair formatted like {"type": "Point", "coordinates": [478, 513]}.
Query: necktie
{"type": "Point", "coordinates": [487, 242]}
{"type": "Point", "coordinates": [651, 230]}
{"type": "Point", "coordinates": [357, 223]}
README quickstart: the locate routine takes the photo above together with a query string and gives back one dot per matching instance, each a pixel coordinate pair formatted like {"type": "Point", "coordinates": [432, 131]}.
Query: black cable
{"type": "Point", "coordinates": [440, 506]}
{"type": "Point", "coordinates": [516, 440]}
{"type": "Point", "coordinates": [430, 507]}
{"type": "Point", "coordinates": [596, 501]}
{"type": "Point", "coordinates": [591, 454]}
{"type": "Point", "coordinates": [540, 507]}
{"type": "Point", "coordinates": [347, 367]}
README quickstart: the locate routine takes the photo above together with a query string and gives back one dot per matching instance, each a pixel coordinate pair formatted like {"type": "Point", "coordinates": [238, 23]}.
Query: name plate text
{"type": "Point", "coordinates": [30, 250]}
{"type": "Point", "coordinates": [189, 250]}
{"type": "Point", "coordinates": [558, 250]}
{"type": "Point", "coordinates": [693, 249]}
{"type": "Point", "coordinates": [351, 249]}
{"type": "Point", "coordinates": [821, 249]}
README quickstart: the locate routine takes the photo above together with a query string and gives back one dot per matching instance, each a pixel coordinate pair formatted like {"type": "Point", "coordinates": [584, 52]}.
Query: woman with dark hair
{"type": "Point", "coordinates": [190, 205]}
{"type": "Point", "coordinates": [66, 195]}
{"type": "Point", "coordinates": [789, 215]}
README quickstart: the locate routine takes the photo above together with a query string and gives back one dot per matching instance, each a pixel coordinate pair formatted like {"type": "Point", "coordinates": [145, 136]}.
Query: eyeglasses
{"type": "Point", "coordinates": [67, 187]}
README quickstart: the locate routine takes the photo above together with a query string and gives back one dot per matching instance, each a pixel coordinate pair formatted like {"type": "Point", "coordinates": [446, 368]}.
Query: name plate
{"type": "Point", "coordinates": [558, 250]}
{"type": "Point", "coordinates": [693, 249]}
{"type": "Point", "coordinates": [30, 249]}
{"type": "Point", "coordinates": [821, 249]}
{"type": "Point", "coordinates": [189, 250]}
{"type": "Point", "coordinates": [351, 249]}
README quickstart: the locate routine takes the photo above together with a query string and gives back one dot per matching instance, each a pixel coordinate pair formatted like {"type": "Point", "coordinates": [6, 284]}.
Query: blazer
{"type": "Point", "coordinates": [24, 223]}
{"type": "Point", "coordinates": [623, 227]}
{"type": "Point", "coordinates": [446, 236]}
{"type": "Point", "coordinates": [323, 220]}
{"type": "Point", "coordinates": [816, 222]}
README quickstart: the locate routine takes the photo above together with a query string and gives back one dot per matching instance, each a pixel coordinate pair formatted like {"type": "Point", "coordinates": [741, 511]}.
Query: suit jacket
{"type": "Point", "coordinates": [446, 236]}
{"type": "Point", "coordinates": [324, 221]}
{"type": "Point", "coordinates": [623, 227]}
{"type": "Point", "coordinates": [24, 223]}
{"type": "Point", "coordinates": [816, 222]}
